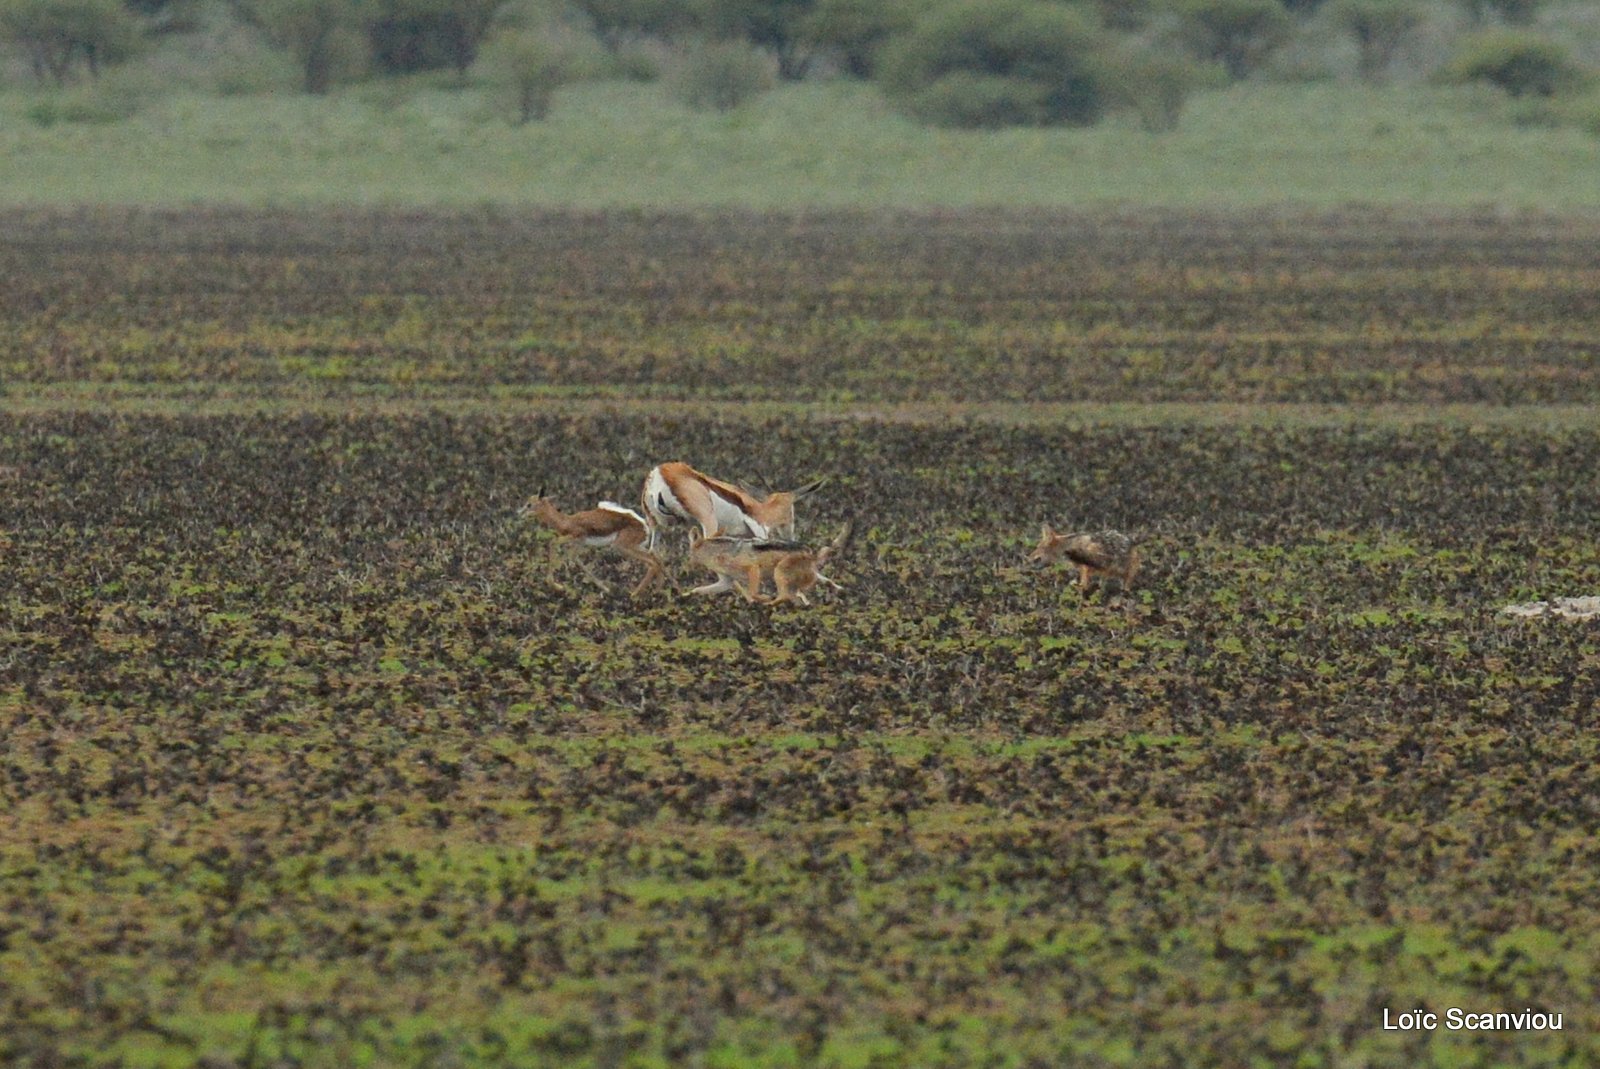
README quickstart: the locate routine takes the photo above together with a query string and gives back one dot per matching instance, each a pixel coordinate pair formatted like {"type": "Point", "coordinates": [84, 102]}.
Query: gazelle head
{"type": "Point", "coordinates": [1050, 547]}
{"type": "Point", "coordinates": [777, 511]}
{"type": "Point", "coordinates": [539, 506]}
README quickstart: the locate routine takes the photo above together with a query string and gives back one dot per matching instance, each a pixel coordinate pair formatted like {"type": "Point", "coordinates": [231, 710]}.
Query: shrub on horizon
{"type": "Point", "coordinates": [1239, 34]}
{"type": "Point", "coordinates": [721, 75]}
{"type": "Point", "coordinates": [1521, 63]}
{"type": "Point", "coordinates": [58, 36]}
{"type": "Point", "coordinates": [1380, 28]}
{"type": "Point", "coordinates": [975, 63]}
{"type": "Point", "coordinates": [533, 63]}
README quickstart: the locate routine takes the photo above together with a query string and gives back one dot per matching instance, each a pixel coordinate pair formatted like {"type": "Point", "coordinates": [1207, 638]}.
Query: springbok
{"type": "Point", "coordinates": [1109, 553]}
{"type": "Point", "coordinates": [610, 525]}
{"type": "Point", "coordinates": [676, 493]}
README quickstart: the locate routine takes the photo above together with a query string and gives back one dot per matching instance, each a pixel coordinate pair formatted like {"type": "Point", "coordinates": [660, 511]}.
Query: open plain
{"type": "Point", "coordinates": [308, 761]}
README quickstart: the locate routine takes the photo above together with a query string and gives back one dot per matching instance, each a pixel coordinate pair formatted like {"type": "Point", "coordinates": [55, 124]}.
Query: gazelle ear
{"type": "Point", "coordinates": [1047, 532]}
{"type": "Point", "coordinates": [812, 487]}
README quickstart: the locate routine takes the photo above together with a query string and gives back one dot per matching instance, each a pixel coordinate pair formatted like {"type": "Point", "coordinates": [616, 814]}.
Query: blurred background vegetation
{"type": "Point", "coordinates": [773, 102]}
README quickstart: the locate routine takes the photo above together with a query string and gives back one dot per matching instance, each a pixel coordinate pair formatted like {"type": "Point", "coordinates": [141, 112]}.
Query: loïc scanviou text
{"type": "Point", "coordinates": [1456, 1019]}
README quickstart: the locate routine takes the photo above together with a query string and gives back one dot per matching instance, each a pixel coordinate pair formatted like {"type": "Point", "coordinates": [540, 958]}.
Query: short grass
{"type": "Point", "coordinates": [827, 144]}
{"type": "Point", "coordinates": [312, 759]}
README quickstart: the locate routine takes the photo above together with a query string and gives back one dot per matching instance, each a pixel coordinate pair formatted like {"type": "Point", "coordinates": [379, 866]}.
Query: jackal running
{"type": "Point", "coordinates": [744, 563]}
{"type": "Point", "coordinates": [1109, 553]}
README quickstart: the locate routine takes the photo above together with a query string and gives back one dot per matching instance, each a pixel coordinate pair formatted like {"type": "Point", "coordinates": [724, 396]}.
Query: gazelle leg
{"type": "Point", "coordinates": [654, 569]}
{"type": "Point", "coordinates": [555, 561]}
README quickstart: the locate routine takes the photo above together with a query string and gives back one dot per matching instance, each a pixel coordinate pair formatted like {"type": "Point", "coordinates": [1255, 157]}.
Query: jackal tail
{"type": "Point", "coordinates": [838, 545]}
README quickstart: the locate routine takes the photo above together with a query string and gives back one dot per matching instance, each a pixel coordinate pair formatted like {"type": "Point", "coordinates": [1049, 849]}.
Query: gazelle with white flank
{"type": "Point", "coordinates": [675, 493]}
{"type": "Point", "coordinates": [609, 525]}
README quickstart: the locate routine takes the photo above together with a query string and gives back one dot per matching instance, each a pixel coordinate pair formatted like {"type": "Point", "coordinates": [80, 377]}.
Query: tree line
{"type": "Point", "coordinates": [966, 63]}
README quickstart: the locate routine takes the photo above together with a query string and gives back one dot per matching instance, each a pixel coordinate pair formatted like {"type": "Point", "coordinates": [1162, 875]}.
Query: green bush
{"type": "Point", "coordinates": [1585, 113]}
{"type": "Point", "coordinates": [633, 63]}
{"type": "Point", "coordinates": [618, 23]}
{"type": "Point", "coordinates": [1154, 86]}
{"type": "Point", "coordinates": [88, 106]}
{"type": "Point", "coordinates": [168, 16]}
{"type": "Point", "coordinates": [421, 35]}
{"type": "Point", "coordinates": [1129, 16]}
{"type": "Point", "coordinates": [534, 63]}
{"type": "Point", "coordinates": [1513, 12]}
{"type": "Point", "coordinates": [1380, 28]}
{"type": "Point", "coordinates": [1239, 34]}
{"type": "Point", "coordinates": [321, 36]}
{"type": "Point", "coordinates": [721, 75]}
{"type": "Point", "coordinates": [856, 31]}
{"type": "Point", "coordinates": [57, 36]}
{"type": "Point", "coordinates": [779, 26]}
{"type": "Point", "coordinates": [1521, 63]}
{"type": "Point", "coordinates": [1006, 63]}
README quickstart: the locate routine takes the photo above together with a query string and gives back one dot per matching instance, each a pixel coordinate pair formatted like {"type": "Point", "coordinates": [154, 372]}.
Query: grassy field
{"type": "Point", "coordinates": [835, 144]}
{"type": "Point", "coordinates": [309, 760]}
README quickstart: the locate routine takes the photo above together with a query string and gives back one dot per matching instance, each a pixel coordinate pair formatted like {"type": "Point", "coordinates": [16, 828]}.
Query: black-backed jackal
{"type": "Point", "coordinates": [676, 493]}
{"type": "Point", "coordinates": [1109, 553]}
{"type": "Point", "coordinates": [610, 525]}
{"type": "Point", "coordinates": [744, 563]}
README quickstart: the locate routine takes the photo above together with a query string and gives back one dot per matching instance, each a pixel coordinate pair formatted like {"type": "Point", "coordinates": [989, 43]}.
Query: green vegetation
{"type": "Point", "coordinates": [650, 102]}
{"type": "Point", "coordinates": [1237, 34]}
{"type": "Point", "coordinates": [1012, 63]}
{"type": "Point", "coordinates": [534, 64]}
{"type": "Point", "coordinates": [1380, 29]}
{"type": "Point", "coordinates": [321, 36]}
{"type": "Point", "coordinates": [418, 35]}
{"type": "Point", "coordinates": [721, 75]}
{"type": "Point", "coordinates": [630, 144]}
{"type": "Point", "coordinates": [1519, 63]}
{"type": "Point", "coordinates": [60, 36]}
{"type": "Point", "coordinates": [308, 760]}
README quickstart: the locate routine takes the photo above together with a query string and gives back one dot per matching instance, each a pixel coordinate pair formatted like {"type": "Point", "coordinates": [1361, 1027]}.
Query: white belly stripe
{"type": "Point", "coordinates": [662, 503]}
{"type": "Point", "coordinates": [612, 506]}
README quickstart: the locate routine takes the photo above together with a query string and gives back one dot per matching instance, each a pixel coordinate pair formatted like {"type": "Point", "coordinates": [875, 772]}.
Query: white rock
{"type": "Point", "coordinates": [1567, 608]}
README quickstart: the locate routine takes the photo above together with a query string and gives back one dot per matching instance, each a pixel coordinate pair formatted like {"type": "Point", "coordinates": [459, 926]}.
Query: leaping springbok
{"type": "Point", "coordinates": [610, 525]}
{"type": "Point", "coordinates": [676, 493]}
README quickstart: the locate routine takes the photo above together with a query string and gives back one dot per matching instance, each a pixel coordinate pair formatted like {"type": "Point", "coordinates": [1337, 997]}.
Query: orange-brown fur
{"type": "Point", "coordinates": [732, 560]}
{"type": "Point", "coordinates": [696, 490]}
{"type": "Point", "coordinates": [745, 563]}
{"type": "Point", "coordinates": [624, 532]}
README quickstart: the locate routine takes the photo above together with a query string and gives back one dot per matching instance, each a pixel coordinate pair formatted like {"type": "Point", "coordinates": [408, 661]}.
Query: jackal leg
{"type": "Point", "coordinates": [724, 582]}
{"type": "Point", "coordinates": [752, 583]}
